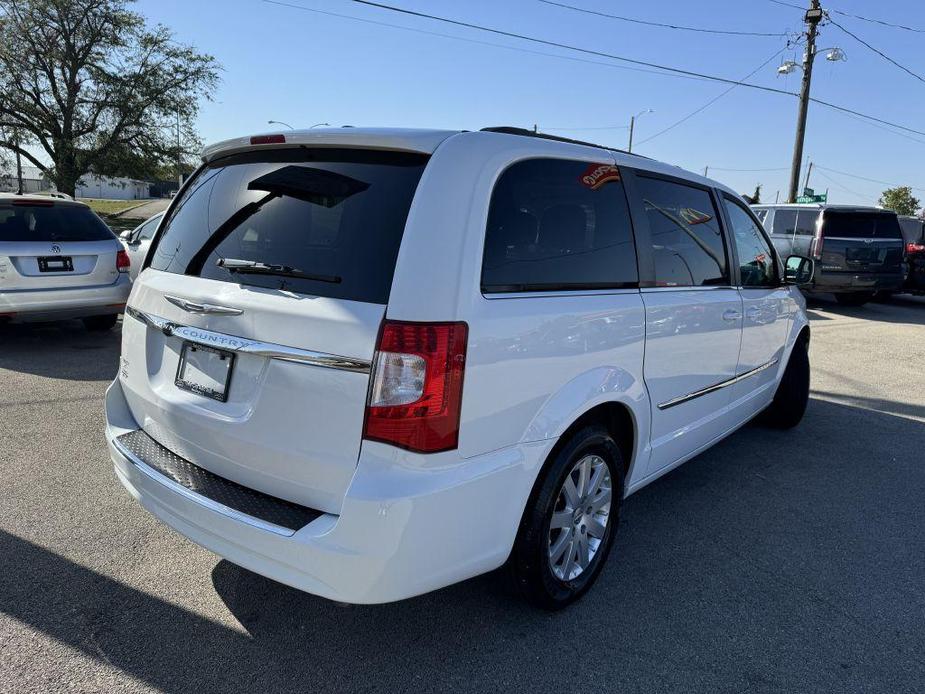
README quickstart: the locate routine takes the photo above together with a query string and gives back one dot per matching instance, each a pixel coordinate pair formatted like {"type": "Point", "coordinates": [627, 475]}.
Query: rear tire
{"type": "Point", "coordinates": [99, 324]}
{"type": "Point", "coordinates": [789, 404]}
{"type": "Point", "coordinates": [575, 504]}
{"type": "Point", "coordinates": [854, 298]}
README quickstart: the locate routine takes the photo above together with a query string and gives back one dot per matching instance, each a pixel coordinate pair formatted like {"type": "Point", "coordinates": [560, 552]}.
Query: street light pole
{"type": "Point", "coordinates": [813, 16]}
{"type": "Point", "coordinates": [633, 126]}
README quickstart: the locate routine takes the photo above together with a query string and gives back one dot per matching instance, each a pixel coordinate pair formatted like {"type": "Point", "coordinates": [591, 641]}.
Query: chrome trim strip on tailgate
{"type": "Point", "coordinates": [234, 514]}
{"type": "Point", "coordinates": [243, 345]}
{"type": "Point", "coordinates": [717, 386]}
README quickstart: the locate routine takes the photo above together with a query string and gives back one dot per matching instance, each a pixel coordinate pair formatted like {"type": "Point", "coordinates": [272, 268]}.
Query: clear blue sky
{"type": "Point", "coordinates": [305, 67]}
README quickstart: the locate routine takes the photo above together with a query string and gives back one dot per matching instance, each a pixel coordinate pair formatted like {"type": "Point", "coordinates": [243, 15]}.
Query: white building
{"type": "Point", "coordinates": [33, 181]}
{"type": "Point", "coordinates": [112, 188]}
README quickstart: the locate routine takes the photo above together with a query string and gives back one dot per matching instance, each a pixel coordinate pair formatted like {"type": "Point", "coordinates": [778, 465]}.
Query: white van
{"type": "Point", "coordinates": [372, 363]}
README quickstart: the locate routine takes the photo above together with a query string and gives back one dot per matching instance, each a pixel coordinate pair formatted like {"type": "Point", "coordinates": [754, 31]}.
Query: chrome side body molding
{"type": "Point", "coordinates": [717, 386]}
{"type": "Point", "coordinates": [243, 345]}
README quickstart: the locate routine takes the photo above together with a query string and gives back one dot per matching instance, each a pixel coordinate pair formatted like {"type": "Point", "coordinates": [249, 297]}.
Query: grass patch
{"type": "Point", "coordinates": [110, 207]}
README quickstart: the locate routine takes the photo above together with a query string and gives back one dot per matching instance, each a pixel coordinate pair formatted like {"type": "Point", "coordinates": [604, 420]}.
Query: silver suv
{"type": "Point", "coordinates": [59, 260]}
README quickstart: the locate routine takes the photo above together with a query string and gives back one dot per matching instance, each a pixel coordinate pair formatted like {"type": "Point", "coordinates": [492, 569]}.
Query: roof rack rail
{"type": "Point", "coordinates": [509, 130]}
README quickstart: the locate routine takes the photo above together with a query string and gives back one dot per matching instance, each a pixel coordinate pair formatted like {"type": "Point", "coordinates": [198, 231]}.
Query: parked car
{"type": "Point", "coordinates": [858, 250]}
{"type": "Point", "coordinates": [371, 363]}
{"type": "Point", "coordinates": [138, 240]}
{"type": "Point", "coordinates": [59, 260]}
{"type": "Point", "coordinates": [913, 230]}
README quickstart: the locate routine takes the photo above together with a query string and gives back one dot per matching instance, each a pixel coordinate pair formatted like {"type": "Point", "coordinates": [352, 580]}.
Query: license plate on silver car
{"type": "Point", "coordinates": [205, 371]}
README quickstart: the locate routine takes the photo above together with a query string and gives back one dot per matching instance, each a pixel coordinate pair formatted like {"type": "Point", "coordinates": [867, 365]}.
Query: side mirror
{"type": "Point", "coordinates": [126, 235]}
{"type": "Point", "coordinates": [799, 270]}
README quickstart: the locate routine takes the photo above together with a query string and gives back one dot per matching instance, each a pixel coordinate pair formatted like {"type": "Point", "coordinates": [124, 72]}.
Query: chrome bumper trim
{"type": "Point", "coordinates": [712, 389]}
{"type": "Point", "coordinates": [243, 345]}
{"type": "Point", "coordinates": [153, 474]}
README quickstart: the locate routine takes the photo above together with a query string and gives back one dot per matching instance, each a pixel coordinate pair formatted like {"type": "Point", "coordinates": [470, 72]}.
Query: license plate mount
{"type": "Point", "coordinates": [56, 263]}
{"type": "Point", "coordinates": [205, 371]}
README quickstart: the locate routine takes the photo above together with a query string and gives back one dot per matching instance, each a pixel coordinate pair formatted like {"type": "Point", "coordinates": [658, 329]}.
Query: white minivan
{"type": "Point", "coordinates": [371, 363]}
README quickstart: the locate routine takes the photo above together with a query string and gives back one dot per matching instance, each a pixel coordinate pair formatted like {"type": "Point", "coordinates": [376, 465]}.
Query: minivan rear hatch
{"type": "Point", "coordinates": [250, 337]}
{"type": "Point", "coordinates": [54, 244]}
{"type": "Point", "coordinates": [861, 241]}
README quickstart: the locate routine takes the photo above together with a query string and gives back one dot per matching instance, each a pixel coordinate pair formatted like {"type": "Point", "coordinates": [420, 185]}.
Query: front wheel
{"type": "Point", "coordinates": [854, 298]}
{"type": "Point", "coordinates": [571, 519]}
{"type": "Point", "coordinates": [789, 404]}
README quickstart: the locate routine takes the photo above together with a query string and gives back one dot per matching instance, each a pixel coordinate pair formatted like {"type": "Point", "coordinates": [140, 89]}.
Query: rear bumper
{"type": "Point", "coordinates": [58, 304]}
{"type": "Point", "coordinates": [845, 282]}
{"type": "Point", "coordinates": [405, 528]}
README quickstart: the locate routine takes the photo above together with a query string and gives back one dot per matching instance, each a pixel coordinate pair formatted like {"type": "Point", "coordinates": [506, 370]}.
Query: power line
{"type": "Point", "coordinates": [602, 127]}
{"type": "Point", "coordinates": [864, 178]}
{"type": "Point", "coordinates": [463, 39]}
{"type": "Point", "coordinates": [879, 21]}
{"type": "Point", "coordinates": [877, 51]}
{"type": "Point", "coordinates": [660, 24]}
{"type": "Point", "coordinates": [720, 168]}
{"type": "Point", "coordinates": [788, 4]}
{"type": "Point", "coordinates": [711, 101]}
{"type": "Point", "coordinates": [667, 69]}
{"type": "Point", "coordinates": [601, 54]}
{"type": "Point", "coordinates": [843, 187]}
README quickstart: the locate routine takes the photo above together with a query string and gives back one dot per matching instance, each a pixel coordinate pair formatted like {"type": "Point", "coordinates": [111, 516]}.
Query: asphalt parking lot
{"type": "Point", "coordinates": [774, 562]}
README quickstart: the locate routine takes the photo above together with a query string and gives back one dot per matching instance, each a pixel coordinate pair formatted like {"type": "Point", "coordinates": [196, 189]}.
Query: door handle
{"type": "Point", "coordinates": [752, 313]}
{"type": "Point", "coordinates": [732, 315]}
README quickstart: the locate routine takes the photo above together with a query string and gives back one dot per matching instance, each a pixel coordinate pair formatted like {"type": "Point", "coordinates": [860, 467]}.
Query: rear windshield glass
{"type": "Point", "coordinates": [323, 222]}
{"type": "Point", "coordinates": [861, 225]}
{"type": "Point", "coordinates": [51, 222]}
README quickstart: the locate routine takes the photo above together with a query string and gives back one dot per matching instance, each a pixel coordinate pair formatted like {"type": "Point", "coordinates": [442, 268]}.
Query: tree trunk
{"type": "Point", "coordinates": [66, 174]}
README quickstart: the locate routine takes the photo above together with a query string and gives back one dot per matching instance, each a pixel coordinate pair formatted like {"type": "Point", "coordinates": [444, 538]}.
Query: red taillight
{"type": "Point", "coordinates": [123, 263]}
{"type": "Point", "coordinates": [914, 247]}
{"type": "Point", "coordinates": [417, 381]}
{"type": "Point", "coordinates": [815, 248]}
{"type": "Point", "coordinates": [268, 140]}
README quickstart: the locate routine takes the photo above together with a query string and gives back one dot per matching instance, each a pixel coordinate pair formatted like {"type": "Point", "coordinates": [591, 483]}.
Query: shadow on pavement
{"type": "Point", "coordinates": [905, 309]}
{"type": "Point", "coordinates": [775, 561]}
{"type": "Point", "coordinates": [36, 348]}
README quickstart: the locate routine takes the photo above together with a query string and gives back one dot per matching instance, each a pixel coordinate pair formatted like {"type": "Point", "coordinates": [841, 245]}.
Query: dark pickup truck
{"type": "Point", "coordinates": [858, 250]}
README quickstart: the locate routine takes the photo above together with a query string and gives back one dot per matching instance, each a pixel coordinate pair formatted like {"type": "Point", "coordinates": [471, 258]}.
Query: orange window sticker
{"type": "Point", "coordinates": [692, 216]}
{"type": "Point", "coordinates": [597, 175]}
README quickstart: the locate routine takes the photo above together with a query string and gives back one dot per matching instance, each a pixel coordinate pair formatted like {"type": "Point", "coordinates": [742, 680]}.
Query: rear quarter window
{"type": "Point", "coordinates": [330, 220]}
{"type": "Point", "coordinates": [557, 224]}
{"type": "Point", "coordinates": [51, 222]}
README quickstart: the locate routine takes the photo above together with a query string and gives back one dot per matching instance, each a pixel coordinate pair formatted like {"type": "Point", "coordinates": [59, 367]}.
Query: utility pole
{"type": "Point", "coordinates": [19, 190]}
{"type": "Point", "coordinates": [179, 169]}
{"type": "Point", "coordinates": [813, 16]}
{"type": "Point", "coordinates": [809, 170]}
{"type": "Point", "coordinates": [632, 124]}
{"type": "Point", "coordinates": [706, 170]}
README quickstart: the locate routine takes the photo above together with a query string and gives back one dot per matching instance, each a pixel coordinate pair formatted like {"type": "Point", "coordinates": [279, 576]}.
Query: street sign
{"type": "Point", "coordinates": [812, 198]}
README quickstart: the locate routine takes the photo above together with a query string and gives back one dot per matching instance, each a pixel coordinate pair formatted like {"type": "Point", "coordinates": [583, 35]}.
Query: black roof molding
{"type": "Point", "coordinates": [509, 130]}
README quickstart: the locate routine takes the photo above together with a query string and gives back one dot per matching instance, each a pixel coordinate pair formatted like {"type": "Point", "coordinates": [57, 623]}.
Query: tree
{"type": "Point", "coordinates": [755, 198]}
{"type": "Point", "coordinates": [96, 89]}
{"type": "Point", "coordinates": [900, 200]}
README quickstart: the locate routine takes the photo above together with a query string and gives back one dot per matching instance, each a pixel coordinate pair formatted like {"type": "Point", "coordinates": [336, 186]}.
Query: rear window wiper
{"type": "Point", "coordinates": [255, 267]}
